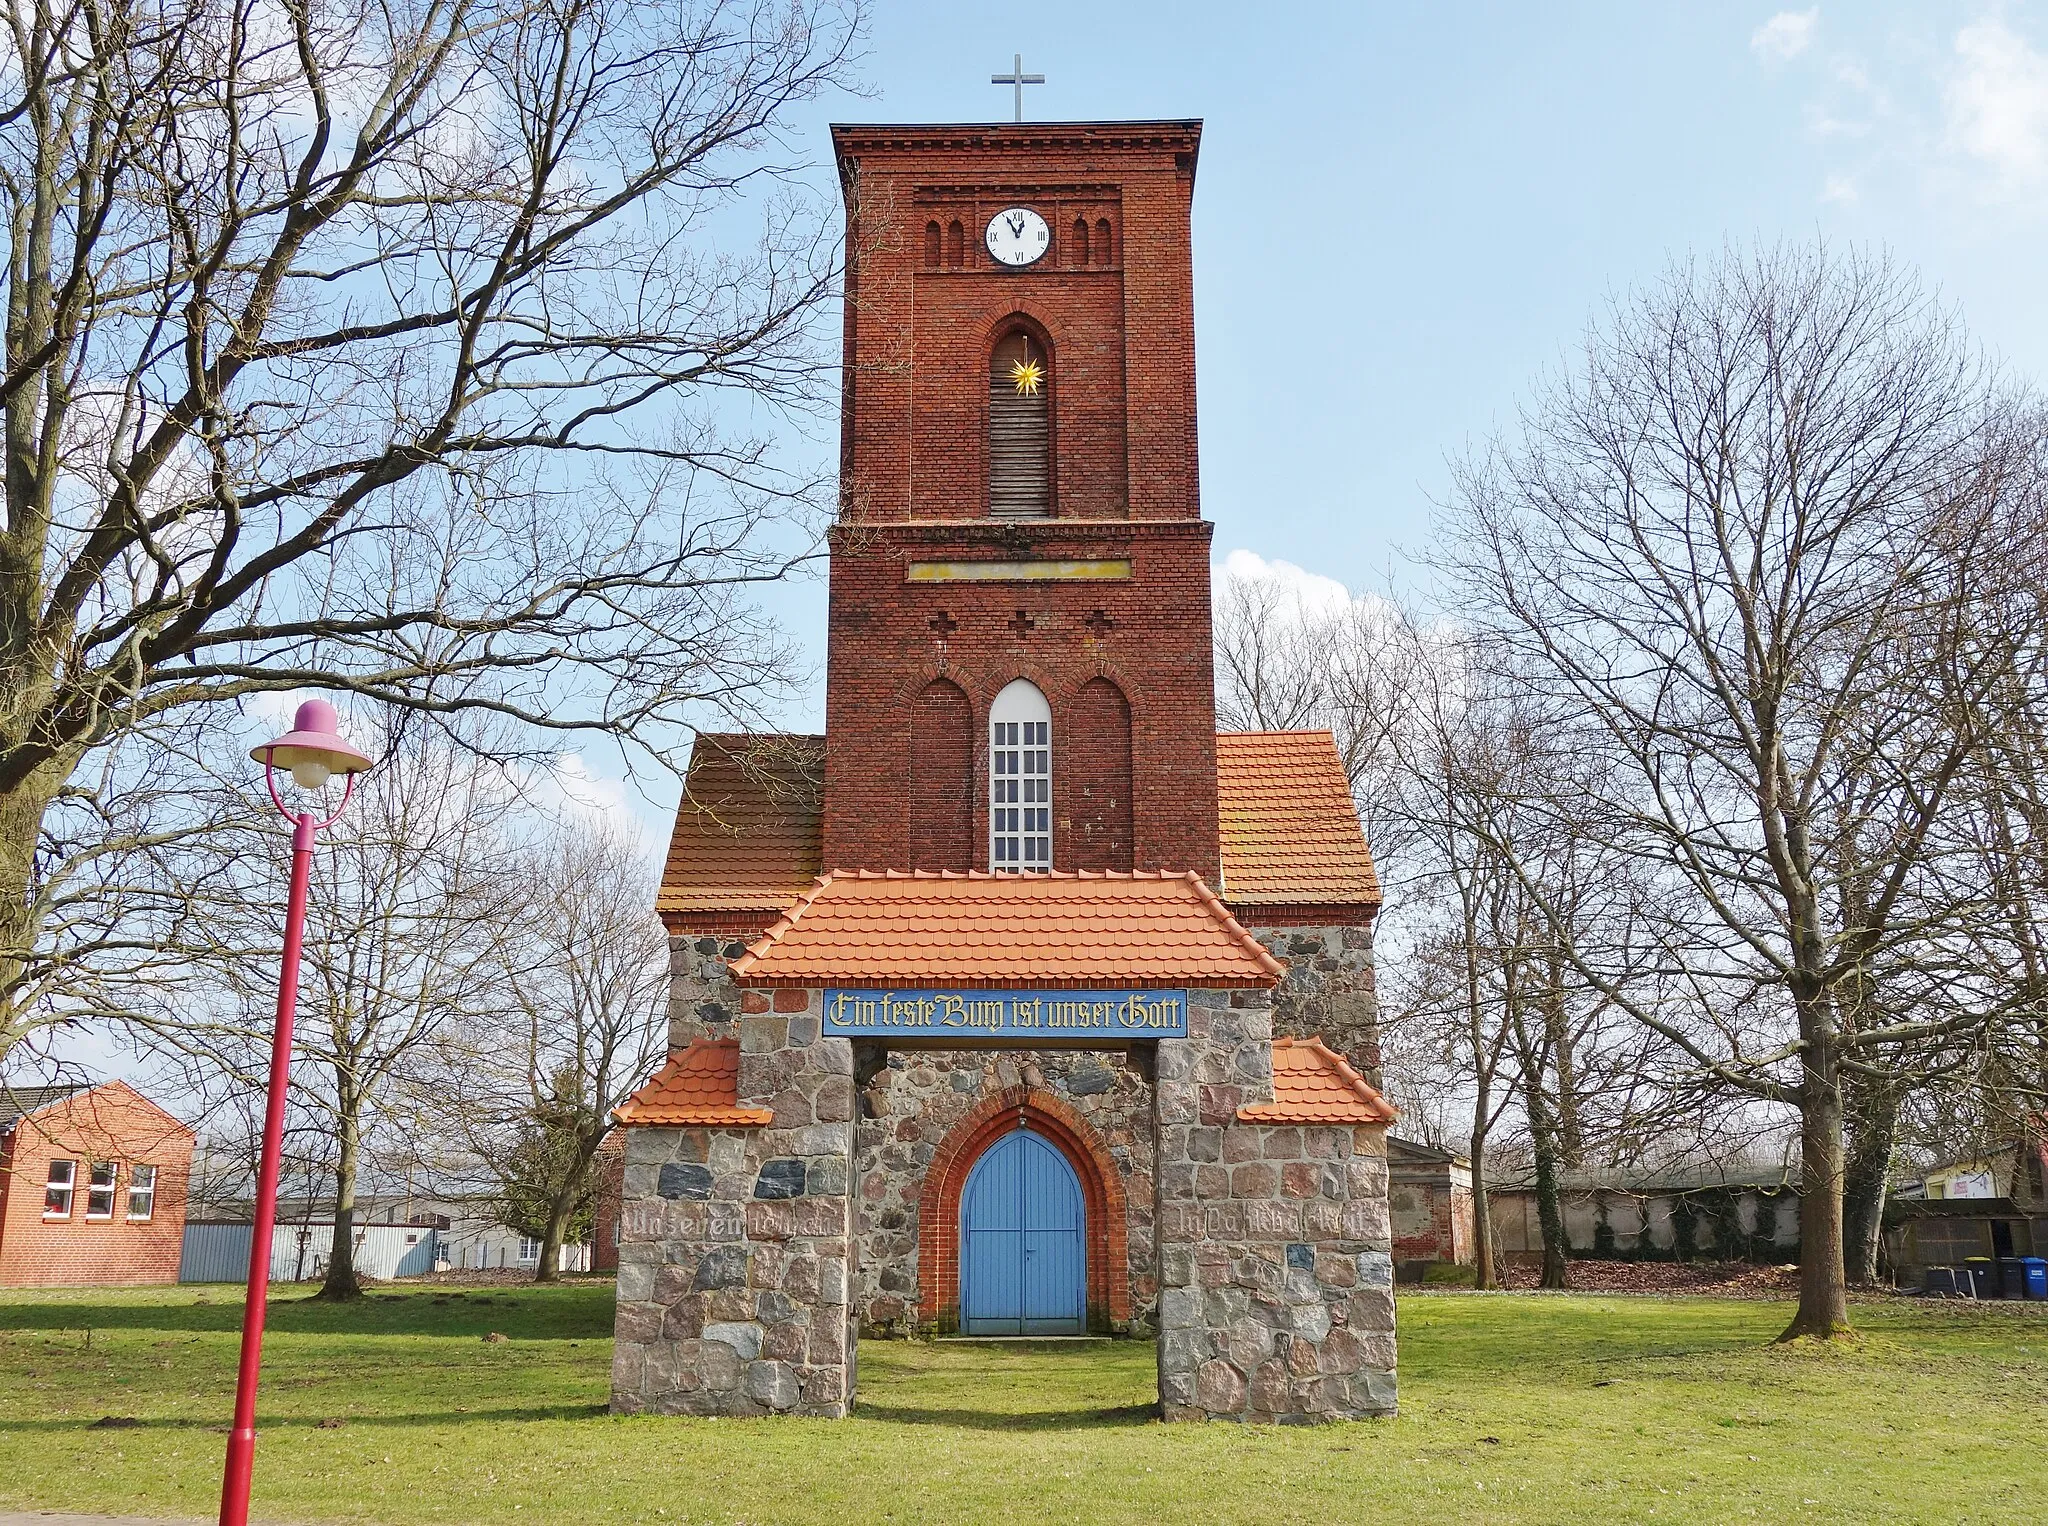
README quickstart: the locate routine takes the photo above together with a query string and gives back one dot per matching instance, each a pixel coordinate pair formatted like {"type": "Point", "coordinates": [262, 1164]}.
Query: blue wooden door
{"type": "Point", "coordinates": [1023, 1269]}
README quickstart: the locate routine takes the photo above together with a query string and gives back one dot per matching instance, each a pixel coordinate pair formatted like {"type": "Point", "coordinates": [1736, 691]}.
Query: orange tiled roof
{"type": "Point", "coordinates": [1042, 930]}
{"type": "Point", "coordinates": [748, 832]}
{"type": "Point", "coordinates": [1314, 1084]}
{"type": "Point", "coordinates": [700, 1086]}
{"type": "Point", "coordinates": [1289, 831]}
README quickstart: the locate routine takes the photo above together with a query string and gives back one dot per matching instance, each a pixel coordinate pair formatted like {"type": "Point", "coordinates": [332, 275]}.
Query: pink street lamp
{"type": "Point", "coordinates": [312, 752]}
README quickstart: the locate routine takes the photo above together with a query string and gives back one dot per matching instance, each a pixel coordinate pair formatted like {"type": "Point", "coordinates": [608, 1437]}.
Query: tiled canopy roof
{"type": "Point", "coordinates": [1034, 930]}
{"type": "Point", "coordinates": [1315, 1084]}
{"type": "Point", "coordinates": [747, 833]}
{"type": "Point", "coordinates": [699, 1087]}
{"type": "Point", "coordinates": [1289, 831]}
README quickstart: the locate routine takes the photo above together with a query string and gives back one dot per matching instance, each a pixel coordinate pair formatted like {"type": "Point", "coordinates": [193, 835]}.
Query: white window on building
{"type": "Point", "coordinates": [57, 1189]}
{"type": "Point", "coordinates": [529, 1251]}
{"type": "Point", "coordinates": [99, 1191]}
{"type": "Point", "coordinates": [141, 1193]}
{"type": "Point", "coordinates": [1020, 780]}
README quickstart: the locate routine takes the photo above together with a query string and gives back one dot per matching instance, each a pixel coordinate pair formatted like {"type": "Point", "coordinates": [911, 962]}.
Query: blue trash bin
{"type": "Point", "coordinates": [2036, 1268]}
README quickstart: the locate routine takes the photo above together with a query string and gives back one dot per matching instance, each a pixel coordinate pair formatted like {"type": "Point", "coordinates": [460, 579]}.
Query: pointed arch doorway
{"type": "Point", "coordinates": [1023, 1242]}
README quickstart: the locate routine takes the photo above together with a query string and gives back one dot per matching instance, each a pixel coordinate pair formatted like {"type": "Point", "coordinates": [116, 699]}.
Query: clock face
{"type": "Point", "coordinates": [1017, 236]}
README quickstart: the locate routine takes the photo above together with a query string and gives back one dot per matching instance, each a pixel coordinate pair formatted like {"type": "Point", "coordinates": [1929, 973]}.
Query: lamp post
{"type": "Point", "coordinates": [312, 752]}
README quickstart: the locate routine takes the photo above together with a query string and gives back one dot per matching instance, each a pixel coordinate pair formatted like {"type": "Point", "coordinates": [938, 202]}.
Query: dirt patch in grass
{"type": "Point", "coordinates": [1718, 1279]}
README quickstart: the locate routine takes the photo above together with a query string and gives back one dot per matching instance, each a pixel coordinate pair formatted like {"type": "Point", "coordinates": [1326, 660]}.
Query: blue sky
{"type": "Point", "coordinates": [1406, 213]}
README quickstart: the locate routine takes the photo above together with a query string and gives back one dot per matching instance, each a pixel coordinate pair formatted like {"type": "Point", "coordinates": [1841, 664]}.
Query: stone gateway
{"type": "Point", "coordinates": [1022, 1001]}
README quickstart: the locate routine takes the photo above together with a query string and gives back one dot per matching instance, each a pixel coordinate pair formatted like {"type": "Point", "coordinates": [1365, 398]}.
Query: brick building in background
{"type": "Point", "coordinates": [1021, 1001]}
{"type": "Point", "coordinates": [93, 1183]}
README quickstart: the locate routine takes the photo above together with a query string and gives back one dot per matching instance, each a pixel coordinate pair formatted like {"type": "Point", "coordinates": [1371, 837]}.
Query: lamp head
{"type": "Point", "coordinates": [313, 750]}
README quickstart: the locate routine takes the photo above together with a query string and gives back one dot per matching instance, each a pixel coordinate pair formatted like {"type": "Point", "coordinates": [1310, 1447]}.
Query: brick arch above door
{"type": "Point", "coordinates": [1102, 1192]}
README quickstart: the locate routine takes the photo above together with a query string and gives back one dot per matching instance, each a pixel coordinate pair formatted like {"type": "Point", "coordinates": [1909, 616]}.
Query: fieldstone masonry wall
{"type": "Point", "coordinates": [734, 1246]}
{"type": "Point", "coordinates": [1329, 992]}
{"type": "Point", "coordinates": [749, 1257]}
{"type": "Point", "coordinates": [911, 1100]}
{"type": "Point", "coordinates": [1275, 1269]}
{"type": "Point", "coordinates": [703, 1002]}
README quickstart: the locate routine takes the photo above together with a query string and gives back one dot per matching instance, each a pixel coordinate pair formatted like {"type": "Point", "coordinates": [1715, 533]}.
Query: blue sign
{"type": "Point", "coordinates": [1027, 1015]}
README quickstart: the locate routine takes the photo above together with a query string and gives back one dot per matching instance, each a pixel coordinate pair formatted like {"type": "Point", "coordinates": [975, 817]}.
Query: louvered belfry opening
{"type": "Point", "coordinates": [1019, 429]}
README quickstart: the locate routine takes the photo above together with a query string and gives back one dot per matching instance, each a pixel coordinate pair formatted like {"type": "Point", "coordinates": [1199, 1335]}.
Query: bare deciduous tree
{"type": "Point", "coordinates": [409, 349]}
{"type": "Point", "coordinates": [415, 889]}
{"type": "Point", "coordinates": [1710, 545]}
{"type": "Point", "coordinates": [529, 1088]}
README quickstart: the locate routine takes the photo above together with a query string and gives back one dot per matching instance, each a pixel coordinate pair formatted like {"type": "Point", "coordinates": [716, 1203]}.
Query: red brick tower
{"type": "Point", "coordinates": [1020, 503]}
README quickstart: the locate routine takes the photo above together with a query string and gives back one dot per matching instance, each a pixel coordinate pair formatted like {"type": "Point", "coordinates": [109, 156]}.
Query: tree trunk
{"type": "Point", "coordinates": [550, 1268]}
{"type": "Point", "coordinates": [1549, 1210]}
{"type": "Point", "coordinates": [1866, 1178]}
{"type": "Point", "coordinates": [1823, 1292]}
{"type": "Point", "coordinates": [22, 809]}
{"type": "Point", "coordinates": [1557, 1033]}
{"type": "Point", "coordinates": [340, 1284]}
{"type": "Point", "coordinates": [1483, 1275]}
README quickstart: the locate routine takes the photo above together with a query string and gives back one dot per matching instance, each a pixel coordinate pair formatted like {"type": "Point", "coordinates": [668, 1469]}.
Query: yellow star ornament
{"type": "Point", "coordinates": [1027, 374]}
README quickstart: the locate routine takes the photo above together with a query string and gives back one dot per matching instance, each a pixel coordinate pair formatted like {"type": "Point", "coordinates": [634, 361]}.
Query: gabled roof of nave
{"type": "Point", "coordinates": [748, 836]}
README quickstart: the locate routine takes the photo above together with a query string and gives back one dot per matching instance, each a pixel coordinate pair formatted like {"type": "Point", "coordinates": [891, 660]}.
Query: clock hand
{"type": "Point", "coordinates": [1017, 225]}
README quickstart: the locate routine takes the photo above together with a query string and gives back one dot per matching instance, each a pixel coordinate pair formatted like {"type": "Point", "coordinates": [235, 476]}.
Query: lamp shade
{"type": "Point", "coordinates": [313, 749]}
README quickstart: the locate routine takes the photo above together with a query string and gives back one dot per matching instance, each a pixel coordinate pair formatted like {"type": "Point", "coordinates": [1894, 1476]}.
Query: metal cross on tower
{"type": "Point", "coordinates": [1018, 78]}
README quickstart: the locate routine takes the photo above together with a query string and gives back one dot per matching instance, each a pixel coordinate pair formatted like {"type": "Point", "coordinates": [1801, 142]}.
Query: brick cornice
{"type": "Point", "coordinates": [850, 140]}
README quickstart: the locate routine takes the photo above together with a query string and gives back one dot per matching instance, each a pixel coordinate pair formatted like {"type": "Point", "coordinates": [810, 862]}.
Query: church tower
{"type": "Point", "coordinates": [1020, 548]}
{"type": "Point", "coordinates": [1021, 1002]}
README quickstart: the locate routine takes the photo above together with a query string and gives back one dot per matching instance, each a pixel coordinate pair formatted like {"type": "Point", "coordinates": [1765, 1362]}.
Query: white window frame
{"type": "Point", "coordinates": [529, 1251]}
{"type": "Point", "coordinates": [94, 1187]}
{"type": "Point", "coordinates": [142, 1189]}
{"type": "Point", "coordinates": [68, 1186]}
{"type": "Point", "coordinates": [1020, 780]}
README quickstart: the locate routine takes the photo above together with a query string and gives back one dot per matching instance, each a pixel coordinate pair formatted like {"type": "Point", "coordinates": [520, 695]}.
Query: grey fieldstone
{"type": "Point", "coordinates": [780, 1179]}
{"type": "Point", "coordinates": [773, 1384]}
{"type": "Point", "coordinates": [743, 1338]}
{"type": "Point", "coordinates": [684, 1183]}
{"type": "Point", "coordinates": [724, 1266]}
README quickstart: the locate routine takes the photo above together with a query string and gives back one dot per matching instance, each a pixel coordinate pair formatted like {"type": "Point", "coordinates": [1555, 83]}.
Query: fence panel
{"type": "Point", "coordinates": [298, 1252]}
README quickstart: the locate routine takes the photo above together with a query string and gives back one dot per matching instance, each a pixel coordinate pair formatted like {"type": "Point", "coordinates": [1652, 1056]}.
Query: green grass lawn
{"type": "Point", "coordinates": [1514, 1408]}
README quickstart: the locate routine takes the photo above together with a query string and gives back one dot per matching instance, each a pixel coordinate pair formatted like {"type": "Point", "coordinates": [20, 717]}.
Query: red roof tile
{"type": "Point", "coordinates": [747, 834]}
{"type": "Point", "coordinates": [1033, 930]}
{"type": "Point", "coordinates": [1315, 1084]}
{"type": "Point", "coordinates": [1289, 831]}
{"type": "Point", "coordinates": [747, 839]}
{"type": "Point", "coordinates": [700, 1086]}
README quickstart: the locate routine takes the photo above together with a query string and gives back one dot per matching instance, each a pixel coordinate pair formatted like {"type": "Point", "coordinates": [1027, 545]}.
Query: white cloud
{"type": "Point", "coordinates": [569, 790]}
{"type": "Point", "coordinates": [1313, 592]}
{"type": "Point", "coordinates": [1839, 189]}
{"type": "Point", "coordinates": [1785, 36]}
{"type": "Point", "coordinates": [1997, 104]}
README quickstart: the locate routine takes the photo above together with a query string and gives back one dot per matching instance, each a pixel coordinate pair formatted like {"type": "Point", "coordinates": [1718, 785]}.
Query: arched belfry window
{"type": "Point", "coordinates": [1019, 428]}
{"type": "Point", "coordinates": [1020, 780]}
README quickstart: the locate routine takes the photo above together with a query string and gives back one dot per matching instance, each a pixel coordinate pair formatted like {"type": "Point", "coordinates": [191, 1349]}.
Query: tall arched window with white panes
{"type": "Point", "coordinates": [1020, 780]}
